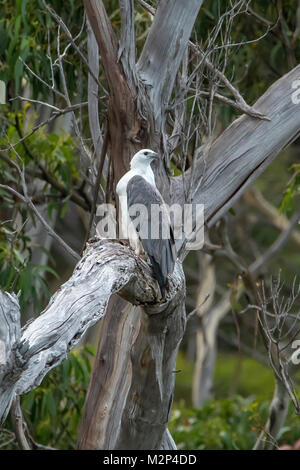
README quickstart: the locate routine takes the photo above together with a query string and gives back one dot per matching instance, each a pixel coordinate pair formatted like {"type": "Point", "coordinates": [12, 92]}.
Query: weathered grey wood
{"type": "Point", "coordinates": [10, 361]}
{"type": "Point", "coordinates": [241, 153]}
{"type": "Point", "coordinates": [205, 336]}
{"type": "Point", "coordinates": [167, 442]}
{"type": "Point", "coordinates": [107, 267]}
{"type": "Point", "coordinates": [136, 379]}
{"type": "Point", "coordinates": [132, 388]}
{"type": "Point", "coordinates": [127, 43]}
{"type": "Point", "coordinates": [130, 123]}
{"type": "Point", "coordinates": [153, 358]}
{"type": "Point", "coordinates": [93, 101]}
{"type": "Point", "coordinates": [10, 326]}
{"type": "Point", "coordinates": [163, 51]}
{"type": "Point", "coordinates": [44, 342]}
{"type": "Point", "coordinates": [105, 37]}
{"type": "Point", "coordinates": [125, 125]}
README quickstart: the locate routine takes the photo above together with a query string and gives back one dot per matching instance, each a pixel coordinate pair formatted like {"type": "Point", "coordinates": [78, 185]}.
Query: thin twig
{"type": "Point", "coordinates": [96, 187]}
{"type": "Point", "coordinates": [26, 199]}
{"type": "Point", "coordinates": [48, 177]}
{"type": "Point", "coordinates": [60, 22]}
{"type": "Point", "coordinates": [18, 424]}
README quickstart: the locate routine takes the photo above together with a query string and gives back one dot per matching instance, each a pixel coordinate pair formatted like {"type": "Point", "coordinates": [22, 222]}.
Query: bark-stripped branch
{"type": "Point", "coordinates": [93, 88]}
{"type": "Point", "coordinates": [243, 151]}
{"type": "Point", "coordinates": [106, 268]}
{"type": "Point", "coordinates": [219, 174]}
{"type": "Point", "coordinates": [19, 425]}
{"type": "Point", "coordinates": [124, 122]}
{"type": "Point", "coordinates": [106, 39]}
{"type": "Point", "coordinates": [239, 102]}
{"type": "Point", "coordinates": [140, 370]}
{"type": "Point", "coordinates": [127, 43]}
{"type": "Point", "coordinates": [164, 48]}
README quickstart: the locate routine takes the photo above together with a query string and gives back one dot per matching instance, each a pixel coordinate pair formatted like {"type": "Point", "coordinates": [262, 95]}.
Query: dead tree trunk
{"type": "Point", "coordinates": [131, 389]}
{"type": "Point", "coordinates": [136, 119]}
{"type": "Point", "coordinates": [132, 384]}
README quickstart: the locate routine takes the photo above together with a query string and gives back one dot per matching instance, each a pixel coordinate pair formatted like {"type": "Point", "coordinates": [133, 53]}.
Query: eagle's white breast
{"type": "Point", "coordinates": [127, 228]}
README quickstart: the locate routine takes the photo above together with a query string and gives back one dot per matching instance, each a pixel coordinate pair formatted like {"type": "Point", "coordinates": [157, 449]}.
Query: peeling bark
{"type": "Point", "coordinates": [163, 52]}
{"type": "Point", "coordinates": [135, 391]}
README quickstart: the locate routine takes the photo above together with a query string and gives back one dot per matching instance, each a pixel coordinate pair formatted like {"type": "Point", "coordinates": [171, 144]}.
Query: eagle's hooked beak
{"type": "Point", "coordinates": [154, 156]}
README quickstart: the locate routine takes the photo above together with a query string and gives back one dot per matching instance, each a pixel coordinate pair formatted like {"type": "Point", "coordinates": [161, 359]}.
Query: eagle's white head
{"type": "Point", "coordinates": [143, 159]}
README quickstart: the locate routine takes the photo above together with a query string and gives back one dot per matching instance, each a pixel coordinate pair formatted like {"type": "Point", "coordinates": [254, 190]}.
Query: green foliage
{"type": "Point", "coordinates": [47, 153]}
{"type": "Point", "coordinates": [26, 31]}
{"type": "Point", "coordinates": [243, 389]}
{"type": "Point", "coordinates": [17, 272]}
{"type": "Point", "coordinates": [51, 156]}
{"type": "Point", "coordinates": [292, 190]}
{"type": "Point", "coordinates": [54, 151]}
{"type": "Point", "coordinates": [175, 171]}
{"type": "Point", "coordinates": [53, 410]}
{"type": "Point", "coordinates": [227, 424]}
{"type": "Point", "coordinates": [264, 237]}
{"type": "Point", "coordinates": [260, 55]}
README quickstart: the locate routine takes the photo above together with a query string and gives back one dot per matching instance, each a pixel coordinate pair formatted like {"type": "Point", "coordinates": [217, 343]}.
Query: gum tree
{"type": "Point", "coordinates": [148, 106]}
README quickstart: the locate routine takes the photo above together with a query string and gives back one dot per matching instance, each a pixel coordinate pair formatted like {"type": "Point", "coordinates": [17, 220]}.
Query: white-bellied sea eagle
{"type": "Point", "coordinates": [144, 216]}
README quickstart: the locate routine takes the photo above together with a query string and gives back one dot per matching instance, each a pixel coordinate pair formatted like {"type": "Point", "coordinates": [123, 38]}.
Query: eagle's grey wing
{"type": "Point", "coordinates": [161, 250]}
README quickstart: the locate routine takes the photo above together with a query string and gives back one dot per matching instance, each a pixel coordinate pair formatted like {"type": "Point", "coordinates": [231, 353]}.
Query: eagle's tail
{"type": "Point", "coordinates": [161, 279]}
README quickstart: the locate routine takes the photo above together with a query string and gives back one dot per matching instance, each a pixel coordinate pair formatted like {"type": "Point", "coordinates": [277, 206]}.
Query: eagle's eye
{"type": "Point", "coordinates": [146, 153]}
